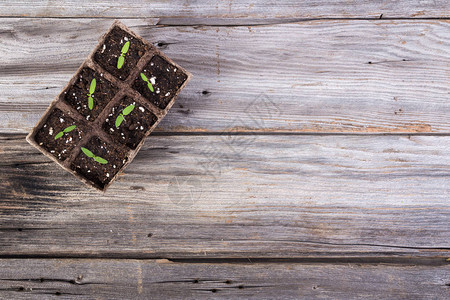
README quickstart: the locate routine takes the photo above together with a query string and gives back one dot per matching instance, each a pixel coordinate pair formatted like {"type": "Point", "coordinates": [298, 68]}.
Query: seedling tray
{"type": "Point", "coordinates": [97, 124]}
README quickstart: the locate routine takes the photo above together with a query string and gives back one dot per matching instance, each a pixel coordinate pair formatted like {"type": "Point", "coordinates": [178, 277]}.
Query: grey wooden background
{"type": "Point", "coordinates": [308, 158]}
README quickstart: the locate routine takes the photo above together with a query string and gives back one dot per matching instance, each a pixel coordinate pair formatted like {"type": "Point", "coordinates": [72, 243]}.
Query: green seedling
{"type": "Point", "coordinates": [96, 158]}
{"type": "Point", "coordinates": [121, 117]}
{"type": "Point", "coordinates": [124, 51]}
{"type": "Point", "coordinates": [150, 86]}
{"type": "Point", "coordinates": [91, 93]}
{"type": "Point", "coordinates": [66, 130]}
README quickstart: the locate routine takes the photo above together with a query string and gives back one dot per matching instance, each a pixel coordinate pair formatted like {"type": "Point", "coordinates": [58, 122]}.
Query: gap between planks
{"type": "Point", "coordinates": [227, 22]}
{"type": "Point", "coordinates": [20, 136]}
{"type": "Point", "coordinates": [369, 260]}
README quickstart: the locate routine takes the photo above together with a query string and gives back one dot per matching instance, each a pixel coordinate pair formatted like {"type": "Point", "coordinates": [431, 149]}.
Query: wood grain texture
{"type": "Point", "coordinates": [317, 76]}
{"type": "Point", "coordinates": [251, 213]}
{"type": "Point", "coordinates": [162, 279]}
{"type": "Point", "coordinates": [236, 196]}
{"type": "Point", "coordinates": [230, 11]}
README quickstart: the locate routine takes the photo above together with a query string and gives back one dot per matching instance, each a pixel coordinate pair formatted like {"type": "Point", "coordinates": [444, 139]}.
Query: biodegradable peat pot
{"type": "Point", "coordinates": [99, 121]}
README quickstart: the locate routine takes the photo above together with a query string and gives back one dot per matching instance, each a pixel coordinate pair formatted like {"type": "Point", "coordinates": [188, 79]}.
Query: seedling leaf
{"type": "Point", "coordinates": [120, 62]}
{"type": "Point", "coordinates": [119, 120]}
{"type": "Point", "coordinates": [127, 110]}
{"type": "Point", "coordinates": [92, 87]}
{"type": "Point", "coordinates": [87, 152]}
{"type": "Point", "coordinates": [70, 128]}
{"type": "Point", "coordinates": [60, 134]}
{"type": "Point", "coordinates": [90, 103]}
{"type": "Point", "coordinates": [125, 47]}
{"type": "Point", "coordinates": [150, 86]}
{"type": "Point", "coordinates": [100, 160]}
{"type": "Point", "coordinates": [144, 77]}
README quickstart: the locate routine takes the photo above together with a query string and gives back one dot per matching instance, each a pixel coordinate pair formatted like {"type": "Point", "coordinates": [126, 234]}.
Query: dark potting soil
{"type": "Point", "coordinates": [77, 94]}
{"type": "Point", "coordinates": [55, 123]}
{"type": "Point", "coordinates": [165, 78]}
{"type": "Point", "coordinates": [134, 126]}
{"type": "Point", "coordinates": [108, 53]}
{"type": "Point", "coordinates": [96, 172]}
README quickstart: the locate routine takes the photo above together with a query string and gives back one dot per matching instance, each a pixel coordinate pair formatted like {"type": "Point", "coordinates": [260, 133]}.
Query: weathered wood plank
{"type": "Point", "coordinates": [162, 279]}
{"type": "Point", "coordinates": [313, 76]}
{"type": "Point", "coordinates": [236, 196]}
{"type": "Point", "coordinates": [231, 11]}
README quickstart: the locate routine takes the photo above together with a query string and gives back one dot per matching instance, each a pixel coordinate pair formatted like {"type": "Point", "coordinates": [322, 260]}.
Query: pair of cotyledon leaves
{"type": "Point", "coordinates": [121, 59]}
{"type": "Point", "coordinates": [91, 155]}
{"type": "Point", "coordinates": [126, 111]}
{"type": "Point", "coordinates": [91, 92]}
{"type": "Point", "coordinates": [66, 130]}
{"type": "Point", "coordinates": [149, 85]}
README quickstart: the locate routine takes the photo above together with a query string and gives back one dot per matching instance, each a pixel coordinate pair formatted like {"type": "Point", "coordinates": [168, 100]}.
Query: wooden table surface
{"type": "Point", "coordinates": [309, 157]}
